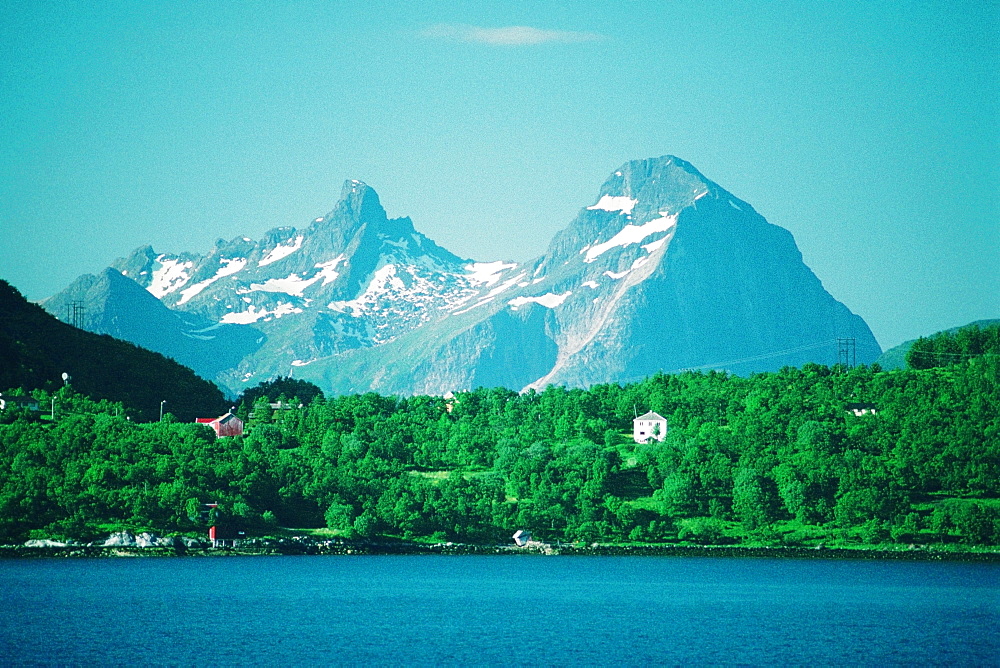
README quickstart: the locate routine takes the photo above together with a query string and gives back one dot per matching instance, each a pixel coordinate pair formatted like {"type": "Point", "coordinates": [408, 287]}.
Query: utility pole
{"type": "Point", "coordinates": [847, 352]}
{"type": "Point", "coordinates": [76, 313]}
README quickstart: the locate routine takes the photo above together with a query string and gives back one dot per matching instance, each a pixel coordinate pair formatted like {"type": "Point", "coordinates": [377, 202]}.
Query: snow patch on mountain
{"type": "Point", "coordinates": [401, 297]}
{"type": "Point", "coordinates": [383, 281]}
{"type": "Point", "coordinates": [229, 267]}
{"type": "Point", "coordinates": [296, 285]}
{"type": "Point", "coordinates": [506, 285]}
{"type": "Point", "coordinates": [281, 251]}
{"type": "Point", "coordinates": [328, 270]}
{"type": "Point", "coordinates": [614, 203]}
{"type": "Point", "coordinates": [632, 234]}
{"type": "Point", "coordinates": [487, 273]}
{"type": "Point", "coordinates": [168, 276]}
{"type": "Point", "coordinates": [252, 314]}
{"type": "Point", "coordinates": [548, 300]}
{"type": "Point", "coordinates": [654, 246]}
{"type": "Point", "coordinates": [292, 285]}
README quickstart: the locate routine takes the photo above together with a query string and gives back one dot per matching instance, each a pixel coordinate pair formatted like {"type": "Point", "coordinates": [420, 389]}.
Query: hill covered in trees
{"type": "Point", "coordinates": [896, 357]}
{"type": "Point", "coordinates": [955, 345]}
{"type": "Point", "coordinates": [36, 349]}
{"type": "Point", "coordinates": [770, 459]}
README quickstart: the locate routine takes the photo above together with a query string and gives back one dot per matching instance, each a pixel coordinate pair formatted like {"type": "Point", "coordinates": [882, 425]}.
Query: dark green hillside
{"type": "Point", "coordinates": [36, 349]}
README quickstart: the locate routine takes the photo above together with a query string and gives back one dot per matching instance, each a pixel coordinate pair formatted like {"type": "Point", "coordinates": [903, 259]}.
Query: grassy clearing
{"type": "Point", "coordinates": [434, 476]}
{"type": "Point", "coordinates": [437, 477]}
{"type": "Point", "coordinates": [646, 503]}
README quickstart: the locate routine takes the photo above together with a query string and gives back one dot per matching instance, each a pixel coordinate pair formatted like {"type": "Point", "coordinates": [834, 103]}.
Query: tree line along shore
{"type": "Point", "coordinates": [774, 460]}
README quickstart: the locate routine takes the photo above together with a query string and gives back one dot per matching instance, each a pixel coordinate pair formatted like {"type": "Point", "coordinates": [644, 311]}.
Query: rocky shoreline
{"type": "Point", "coordinates": [125, 544]}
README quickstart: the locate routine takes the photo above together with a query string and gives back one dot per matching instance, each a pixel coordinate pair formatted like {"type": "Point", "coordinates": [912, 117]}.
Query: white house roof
{"type": "Point", "coordinates": [650, 416]}
{"type": "Point", "coordinates": [19, 400]}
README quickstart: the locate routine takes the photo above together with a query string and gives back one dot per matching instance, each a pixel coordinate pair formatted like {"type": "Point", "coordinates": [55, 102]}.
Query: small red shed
{"type": "Point", "coordinates": [226, 425]}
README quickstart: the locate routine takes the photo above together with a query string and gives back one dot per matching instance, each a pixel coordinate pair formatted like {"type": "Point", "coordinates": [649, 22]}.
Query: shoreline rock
{"type": "Point", "coordinates": [125, 544]}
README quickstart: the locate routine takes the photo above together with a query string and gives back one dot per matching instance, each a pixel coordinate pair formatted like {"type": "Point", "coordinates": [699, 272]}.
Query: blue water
{"type": "Point", "coordinates": [497, 610]}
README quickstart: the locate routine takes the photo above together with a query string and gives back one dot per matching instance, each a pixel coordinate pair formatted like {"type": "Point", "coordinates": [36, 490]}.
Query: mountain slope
{"type": "Point", "coordinates": [121, 308]}
{"type": "Point", "coordinates": [36, 349]}
{"type": "Point", "coordinates": [665, 270]}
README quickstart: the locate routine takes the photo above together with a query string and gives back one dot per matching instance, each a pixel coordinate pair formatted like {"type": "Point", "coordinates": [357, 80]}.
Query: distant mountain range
{"type": "Point", "coordinates": [36, 350]}
{"type": "Point", "coordinates": [664, 270]}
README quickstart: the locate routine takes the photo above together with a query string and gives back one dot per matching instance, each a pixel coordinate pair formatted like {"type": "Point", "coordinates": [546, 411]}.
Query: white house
{"type": "Point", "coordinates": [26, 402]}
{"type": "Point", "coordinates": [647, 426]}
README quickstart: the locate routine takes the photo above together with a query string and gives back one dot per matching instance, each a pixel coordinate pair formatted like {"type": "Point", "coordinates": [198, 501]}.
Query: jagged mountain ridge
{"type": "Point", "coordinates": [665, 270]}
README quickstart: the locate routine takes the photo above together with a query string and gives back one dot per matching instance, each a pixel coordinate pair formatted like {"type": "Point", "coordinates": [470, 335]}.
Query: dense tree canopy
{"type": "Point", "coordinates": [947, 348]}
{"type": "Point", "coordinates": [770, 458]}
{"type": "Point", "coordinates": [282, 387]}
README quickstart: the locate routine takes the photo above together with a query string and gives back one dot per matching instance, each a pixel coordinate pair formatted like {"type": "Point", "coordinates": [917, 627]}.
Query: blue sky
{"type": "Point", "coordinates": [870, 130]}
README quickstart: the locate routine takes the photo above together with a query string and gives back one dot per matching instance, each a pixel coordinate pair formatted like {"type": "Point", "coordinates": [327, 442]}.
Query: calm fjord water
{"type": "Point", "coordinates": [497, 610]}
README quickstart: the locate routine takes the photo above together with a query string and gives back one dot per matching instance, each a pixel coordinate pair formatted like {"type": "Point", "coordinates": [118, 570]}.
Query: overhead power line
{"type": "Point", "coordinates": [765, 356]}
{"type": "Point", "coordinates": [928, 352]}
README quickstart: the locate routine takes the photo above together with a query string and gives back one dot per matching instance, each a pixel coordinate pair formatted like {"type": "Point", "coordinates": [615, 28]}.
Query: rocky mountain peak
{"type": "Point", "coordinates": [140, 260]}
{"type": "Point", "coordinates": [657, 185]}
{"type": "Point", "coordinates": [640, 201]}
{"type": "Point", "coordinates": [360, 202]}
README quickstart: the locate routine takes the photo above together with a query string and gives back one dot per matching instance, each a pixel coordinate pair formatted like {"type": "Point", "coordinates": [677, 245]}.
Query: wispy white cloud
{"type": "Point", "coordinates": [507, 36]}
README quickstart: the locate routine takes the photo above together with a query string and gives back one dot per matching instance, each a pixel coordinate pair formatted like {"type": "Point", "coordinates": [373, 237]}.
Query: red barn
{"type": "Point", "coordinates": [227, 425]}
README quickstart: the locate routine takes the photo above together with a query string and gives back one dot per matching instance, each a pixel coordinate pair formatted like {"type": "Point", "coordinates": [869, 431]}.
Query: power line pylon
{"type": "Point", "coordinates": [847, 352]}
{"type": "Point", "coordinates": [76, 313]}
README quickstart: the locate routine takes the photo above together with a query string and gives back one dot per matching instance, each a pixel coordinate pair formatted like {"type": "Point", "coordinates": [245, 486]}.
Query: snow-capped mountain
{"type": "Point", "coordinates": [664, 270]}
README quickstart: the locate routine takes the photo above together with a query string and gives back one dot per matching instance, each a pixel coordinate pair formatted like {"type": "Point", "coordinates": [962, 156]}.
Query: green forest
{"type": "Point", "coordinates": [771, 459]}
